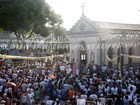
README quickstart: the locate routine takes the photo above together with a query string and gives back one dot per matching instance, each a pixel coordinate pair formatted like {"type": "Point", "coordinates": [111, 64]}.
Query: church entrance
{"type": "Point", "coordinates": [83, 56]}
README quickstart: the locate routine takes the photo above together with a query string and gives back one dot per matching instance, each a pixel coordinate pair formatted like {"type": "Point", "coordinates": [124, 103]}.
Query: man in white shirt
{"type": "Point", "coordinates": [94, 97]}
{"type": "Point", "coordinates": [104, 68]}
{"type": "Point", "coordinates": [69, 70]}
{"type": "Point", "coordinates": [103, 99]}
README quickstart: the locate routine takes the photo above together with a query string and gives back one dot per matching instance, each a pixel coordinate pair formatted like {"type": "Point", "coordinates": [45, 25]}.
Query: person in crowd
{"type": "Point", "coordinates": [35, 84]}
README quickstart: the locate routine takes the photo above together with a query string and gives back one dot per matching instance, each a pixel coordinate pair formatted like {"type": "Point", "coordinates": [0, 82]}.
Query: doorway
{"type": "Point", "coordinates": [83, 56]}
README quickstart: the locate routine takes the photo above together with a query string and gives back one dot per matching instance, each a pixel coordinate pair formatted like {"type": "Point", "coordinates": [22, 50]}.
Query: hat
{"type": "Point", "coordinates": [4, 94]}
{"type": "Point", "coordinates": [101, 95]}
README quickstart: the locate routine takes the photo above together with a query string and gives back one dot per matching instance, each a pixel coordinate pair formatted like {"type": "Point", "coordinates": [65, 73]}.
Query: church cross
{"type": "Point", "coordinates": [83, 6]}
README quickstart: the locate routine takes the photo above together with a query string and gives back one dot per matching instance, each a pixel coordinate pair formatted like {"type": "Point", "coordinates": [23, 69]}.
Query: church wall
{"type": "Point", "coordinates": [89, 55]}
{"type": "Point", "coordinates": [136, 53]}
{"type": "Point", "coordinates": [126, 58]}
{"type": "Point", "coordinates": [77, 57]}
{"type": "Point", "coordinates": [137, 50]}
{"type": "Point", "coordinates": [71, 52]}
{"type": "Point", "coordinates": [93, 45]}
{"type": "Point", "coordinates": [97, 56]}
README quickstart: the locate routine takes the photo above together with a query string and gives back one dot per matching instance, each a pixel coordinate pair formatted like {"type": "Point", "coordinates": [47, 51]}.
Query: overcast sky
{"type": "Point", "coordinates": [120, 11]}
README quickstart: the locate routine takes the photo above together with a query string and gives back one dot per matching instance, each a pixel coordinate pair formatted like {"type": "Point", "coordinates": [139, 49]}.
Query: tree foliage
{"type": "Point", "coordinates": [59, 32]}
{"type": "Point", "coordinates": [28, 17]}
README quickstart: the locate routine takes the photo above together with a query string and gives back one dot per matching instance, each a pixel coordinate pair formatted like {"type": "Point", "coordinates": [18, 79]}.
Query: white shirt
{"type": "Point", "coordinates": [114, 90]}
{"type": "Point", "coordinates": [69, 69]}
{"type": "Point", "coordinates": [103, 100]}
{"type": "Point", "coordinates": [104, 68]}
{"type": "Point", "coordinates": [84, 96]}
{"type": "Point", "coordinates": [94, 97]}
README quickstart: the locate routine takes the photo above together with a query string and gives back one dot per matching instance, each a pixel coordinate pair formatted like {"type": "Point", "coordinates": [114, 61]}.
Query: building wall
{"type": "Point", "coordinates": [94, 46]}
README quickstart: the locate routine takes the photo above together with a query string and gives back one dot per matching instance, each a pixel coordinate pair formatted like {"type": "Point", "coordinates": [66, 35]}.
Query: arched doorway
{"type": "Point", "coordinates": [110, 55]}
{"type": "Point", "coordinates": [83, 55]}
{"type": "Point", "coordinates": [130, 52]}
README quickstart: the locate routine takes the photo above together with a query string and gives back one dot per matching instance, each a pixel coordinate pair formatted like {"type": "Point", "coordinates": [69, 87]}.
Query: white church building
{"type": "Point", "coordinates": [100, 41]}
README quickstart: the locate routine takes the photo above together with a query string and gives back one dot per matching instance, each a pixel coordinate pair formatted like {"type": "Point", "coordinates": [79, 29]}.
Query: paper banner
{"type": "Point", "coordinates": [20, 57]}
{"type": "Point", "coordinates": [132, 56]}
{"type": "Point", "coordinates": [30, 58]}
{"type": "Point", "coordinates": [125, 55]}
{"type": "Point", "coordinates": [111, 60]}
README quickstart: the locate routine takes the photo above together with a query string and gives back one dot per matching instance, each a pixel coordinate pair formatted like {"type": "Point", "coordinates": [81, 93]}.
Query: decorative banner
{"type": "Point", "coordinates": [30, 58]}
{"type": "Point", "coordinates": [132, 56]}
{"type": "Point", "coordinates": [111, 60]}
{"type": "Point", "coordinates": [20, 57]}
{"type": "Point", "coordinates": [125, 55]}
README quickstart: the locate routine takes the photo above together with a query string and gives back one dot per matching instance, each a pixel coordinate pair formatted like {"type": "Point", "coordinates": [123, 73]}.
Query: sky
{"type": "Point", "coordinates": [118, 11]}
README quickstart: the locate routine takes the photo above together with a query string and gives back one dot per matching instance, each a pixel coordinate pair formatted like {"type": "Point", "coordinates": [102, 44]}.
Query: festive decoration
{"type": "Point", "coordinates": [132, 56]}
{"type": "Point", "coordinates": [30, 58]}
{"type": "Point", "coordinates": [125, 55]}
{"type": "Point", "coordinates": [111, 60]}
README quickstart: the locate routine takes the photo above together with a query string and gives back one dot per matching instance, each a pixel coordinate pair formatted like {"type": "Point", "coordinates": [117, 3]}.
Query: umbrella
{"type": "Point", "coordinates": [10, 84]}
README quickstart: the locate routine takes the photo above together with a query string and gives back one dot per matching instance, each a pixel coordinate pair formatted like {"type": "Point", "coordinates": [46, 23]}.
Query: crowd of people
{"type": "Point", "coordinates": [53, 83]}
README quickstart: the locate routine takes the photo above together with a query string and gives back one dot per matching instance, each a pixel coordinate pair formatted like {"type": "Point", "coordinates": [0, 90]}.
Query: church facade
{"type": "Point", "coordinates": [94, 41]}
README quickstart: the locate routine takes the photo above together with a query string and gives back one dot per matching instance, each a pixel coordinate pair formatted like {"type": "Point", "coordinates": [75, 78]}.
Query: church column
{"type": "Point", "coordinates": [71, 52]}
{"type": "Point", "coordinates": [77, 58]}
{"type": "Point", "coordinates": [88, 54]}
{"type": "Point", "coordinates": [100, 52]}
